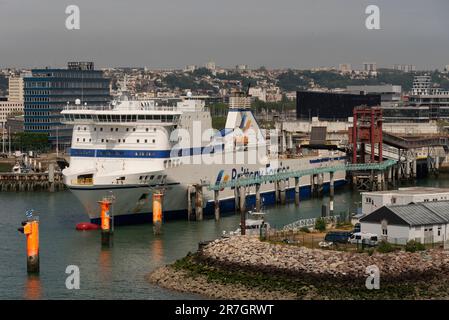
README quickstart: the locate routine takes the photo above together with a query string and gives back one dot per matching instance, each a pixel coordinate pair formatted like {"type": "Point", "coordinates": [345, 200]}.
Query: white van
{"type": "Point", "coordinates": [365, 238]}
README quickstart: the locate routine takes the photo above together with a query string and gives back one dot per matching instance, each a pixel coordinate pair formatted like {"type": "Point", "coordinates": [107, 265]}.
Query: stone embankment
{"type": "Point", "coordinates": [245, 267]}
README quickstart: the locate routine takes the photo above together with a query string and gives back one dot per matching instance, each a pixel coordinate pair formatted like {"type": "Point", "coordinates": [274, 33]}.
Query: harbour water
{"type": "Point", "coordinates": [118, 272]}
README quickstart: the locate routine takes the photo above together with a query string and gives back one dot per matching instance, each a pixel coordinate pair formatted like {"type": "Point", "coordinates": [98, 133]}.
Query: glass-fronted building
{"type": "Point", "coordinates": [48, 91]}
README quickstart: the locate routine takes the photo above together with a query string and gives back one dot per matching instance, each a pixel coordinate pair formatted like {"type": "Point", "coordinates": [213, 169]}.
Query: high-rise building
{"type": "Point", "coordinates": [422, 85]}
{"type": "Point", "coordinates": [369, 67]}
{"type": "Point", "coordinates": [15, 88]}
{"type": "Point", "coordinates": [404, 67]}
{"type": "Point", "coordinates": [345, 67]}
{"type": "Point", "coordinates": [48, 91]}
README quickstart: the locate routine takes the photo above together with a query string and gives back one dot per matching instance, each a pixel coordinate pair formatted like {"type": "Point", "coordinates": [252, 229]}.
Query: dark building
{"type": "Point", "coordinates": [331, 105]}
{"type": "Point", "coordinates": [48, 91]}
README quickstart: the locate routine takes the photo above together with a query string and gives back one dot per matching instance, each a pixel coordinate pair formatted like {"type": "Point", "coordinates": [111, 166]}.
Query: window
{"type": "Point", "coordinates": [138, 140]}
{"type": "Point", "coordinates": [134, 129]}
{"type": "Point", "coordinates": [146, 129]}
{"type": "Point", "coordinates": [102, 140]}
{"type": "Point", "coordinates": [154, 141]}
{"type": "Point", "coordinates": [101, 129]}
{"type": "Point", "coordinates": [146, 141]}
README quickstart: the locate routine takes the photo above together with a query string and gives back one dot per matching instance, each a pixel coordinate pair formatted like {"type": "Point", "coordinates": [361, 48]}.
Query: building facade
{"type": "Point", "coordinates": [390, 95]}
{"type": "Point", "coordinates": [372, 201]}
{"type": "Point", "coordinates": [15, 88]}
{"type": "Point", "coordinates": [48, 91]}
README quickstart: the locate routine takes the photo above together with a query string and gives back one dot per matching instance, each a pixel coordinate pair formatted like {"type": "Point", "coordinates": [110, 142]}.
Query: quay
{"type": "Point", "coordinates": [42, 181]}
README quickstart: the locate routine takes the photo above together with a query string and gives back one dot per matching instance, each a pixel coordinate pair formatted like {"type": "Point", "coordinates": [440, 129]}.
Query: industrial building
{"type": "Point", "coordinates": [372, 201]}
{"type": "Point", "coordinates": [425, 222]}
{"type": "Point", "coordinates": [390, 95]}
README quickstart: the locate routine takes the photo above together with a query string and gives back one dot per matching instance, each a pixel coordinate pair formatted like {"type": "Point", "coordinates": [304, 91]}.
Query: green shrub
{"type": "Point", "coordinates": [305, 229]}
{"type": "Point", "coordinates": [370, 251]}
{"type": "Point", "coordinates": [385, 247]}
{"type": "Point", "coordinates": [413, 246]}
{"type": "Point", "coordinates": [320, 225]}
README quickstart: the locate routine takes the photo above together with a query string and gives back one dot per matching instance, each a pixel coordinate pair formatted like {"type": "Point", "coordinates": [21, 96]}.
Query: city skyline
{"type": "Point", "coordinates": [290, 34]}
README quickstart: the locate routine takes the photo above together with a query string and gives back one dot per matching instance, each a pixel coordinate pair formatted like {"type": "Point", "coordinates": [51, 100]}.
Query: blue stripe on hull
{"type": "Point", "coordinates": [226, 206]}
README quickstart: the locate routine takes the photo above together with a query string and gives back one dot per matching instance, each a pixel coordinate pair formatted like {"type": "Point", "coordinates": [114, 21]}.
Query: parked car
{"type": "Point", "coordinates": [337, 236]}
{"type": "Point", "coordinates": [370, 239]}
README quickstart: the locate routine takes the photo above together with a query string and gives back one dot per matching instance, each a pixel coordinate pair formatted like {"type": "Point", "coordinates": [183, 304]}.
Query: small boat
{"type": "Point", "coordinates": [253, 224]}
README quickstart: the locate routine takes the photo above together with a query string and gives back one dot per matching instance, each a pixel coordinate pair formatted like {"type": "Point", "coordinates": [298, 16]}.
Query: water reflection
{"type": "Point", "coordinates": [33, 288]}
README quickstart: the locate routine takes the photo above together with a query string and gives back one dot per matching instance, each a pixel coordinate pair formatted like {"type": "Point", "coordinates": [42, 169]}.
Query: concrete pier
{"type": "Point", "coordinates": [282, 192]}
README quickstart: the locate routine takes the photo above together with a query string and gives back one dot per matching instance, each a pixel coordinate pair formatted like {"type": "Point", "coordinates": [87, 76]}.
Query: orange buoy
{"type": "Point", "coordinates": [105, 216]}
{"type": "Point", "coordinates": [31, 229]}
{"type": "Point", "coordinates": [86, 226]}
{"type": "Point", "coordinates": [157, 212]}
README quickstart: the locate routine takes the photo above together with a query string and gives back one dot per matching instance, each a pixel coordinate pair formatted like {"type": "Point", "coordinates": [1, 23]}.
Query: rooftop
{"type": "Point", "coordinates": [413, 214]}
{"type": "Point", "coordinates": [409, 191]}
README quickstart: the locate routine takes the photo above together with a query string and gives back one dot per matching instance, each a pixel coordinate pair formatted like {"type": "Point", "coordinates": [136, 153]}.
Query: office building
{"type": "Point", "coordinates": [404, 67]}
{"type": "Point", "coordinates": [47, 91]}
{"type": "Point", "coordinates": [331, 106]}
{"type": "Point", "coordinates": [390, 95]}
{"type": "Point", "coordinates": [15, 88]}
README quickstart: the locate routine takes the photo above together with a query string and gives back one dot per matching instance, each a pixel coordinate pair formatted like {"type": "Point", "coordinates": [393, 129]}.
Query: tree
{"type": "Point", "coordinates": [320, 225]}
{"type": "Point", "coordinates": [27, 141]}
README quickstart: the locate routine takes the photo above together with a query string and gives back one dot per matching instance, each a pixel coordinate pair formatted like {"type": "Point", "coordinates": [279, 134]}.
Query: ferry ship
{"type": "Point", "coordinates": [129, 149]}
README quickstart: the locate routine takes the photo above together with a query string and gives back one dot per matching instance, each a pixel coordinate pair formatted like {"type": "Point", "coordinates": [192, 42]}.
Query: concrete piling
{"type": "Point", "coordinates": [216, 205]}
{"type": "Point", "coordinates": [105, 216]}
{"type": "Point", "coordinates": [331, 192]}
{"type": "Point", "coordinates": [297, 195]}
{"type": "Point", "coordinates": [157, 213]}
{"type": "Point", "coordinates": [258, 200]}
{"type": "Point", "coordinates": [199, 202]}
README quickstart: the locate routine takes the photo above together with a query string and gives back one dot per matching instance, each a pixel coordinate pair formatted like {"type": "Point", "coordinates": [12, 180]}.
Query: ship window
{"type": "Point", "coordinates": [90, 140]}
{"type": "Point", "coordinates": [79, 128]}
{"type": "Point", "coordinates": [154, 129]}
{"type": "Point", "coordinates": [116, 129]}
{"type": "Point", "coordinates": [146, 129]}
{"type": "Point", "coordinates": [127, 129]}
{"type": "Point", "coordinates": [123, 140]}
{"type": "Point", "coordinates": [138, 140]}
{"type": "Point", "coordinates": [101, 129]}
{"type": "Point", "coordinates": [102, 140]}
{"type": "Point", "coordinates": [84, 140]}
{"type": "Point", "coordinates": [107, 140]}
{"type": "Point", "coordinates": [134, 129]}
{"type": "Point", "coordinates": [84, 128]}
{"type": "Point", "coordinates": [154, 140]}
{"type": "Point", "coordinates": [152, 177]}
{"type": "Point", "coordinates": [146, 140]}
{"type": "Point", "coordinates": [119, 140]}
{"type": "Point", "coordinates": [95, 128]}
{"type": "Point", "coordinates": [141, 117]}
{"type": "Point", "coordinates": [77, 139]}
{"type": "Point", "coordinates": [112, 129]}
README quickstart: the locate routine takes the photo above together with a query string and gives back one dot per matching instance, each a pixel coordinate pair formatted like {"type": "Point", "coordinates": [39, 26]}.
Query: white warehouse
{"type": "Point", "coordinates": [372, 201]}
{"type": "Point", "coordinates": [426, 222]}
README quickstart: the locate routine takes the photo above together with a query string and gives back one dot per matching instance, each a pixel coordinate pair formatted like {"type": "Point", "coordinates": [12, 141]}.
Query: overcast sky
{"type": "Point", "coordinates": [174, 33]}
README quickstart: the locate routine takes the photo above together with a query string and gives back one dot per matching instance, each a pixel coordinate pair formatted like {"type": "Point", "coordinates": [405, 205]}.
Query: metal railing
{"type": "Point", "coordinates": [300, 173]}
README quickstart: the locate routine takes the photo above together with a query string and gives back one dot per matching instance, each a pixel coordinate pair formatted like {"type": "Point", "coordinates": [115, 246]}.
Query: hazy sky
{"type": "Point", "coordinates": [173, 33]}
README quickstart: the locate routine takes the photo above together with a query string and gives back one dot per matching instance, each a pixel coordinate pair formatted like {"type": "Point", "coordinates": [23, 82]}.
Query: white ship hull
{"type": "Point", "coordinates": [133, 201]}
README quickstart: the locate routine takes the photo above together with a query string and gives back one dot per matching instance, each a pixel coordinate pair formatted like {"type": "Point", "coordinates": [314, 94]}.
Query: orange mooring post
{"type": "Point", "coordinates": [31, 229]}
{"type": "Point", "coordinates": [105, 216]}
{"type": "Point", "coordinates": [157, 212]}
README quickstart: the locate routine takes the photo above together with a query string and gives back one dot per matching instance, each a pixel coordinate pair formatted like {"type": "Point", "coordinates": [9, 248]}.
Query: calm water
{"type": "Point", "coordinates": [116, 273]}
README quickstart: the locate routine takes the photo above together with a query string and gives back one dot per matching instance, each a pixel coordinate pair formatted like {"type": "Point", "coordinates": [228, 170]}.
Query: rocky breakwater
{"type": "Point", "coordinates": [275, 270]}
